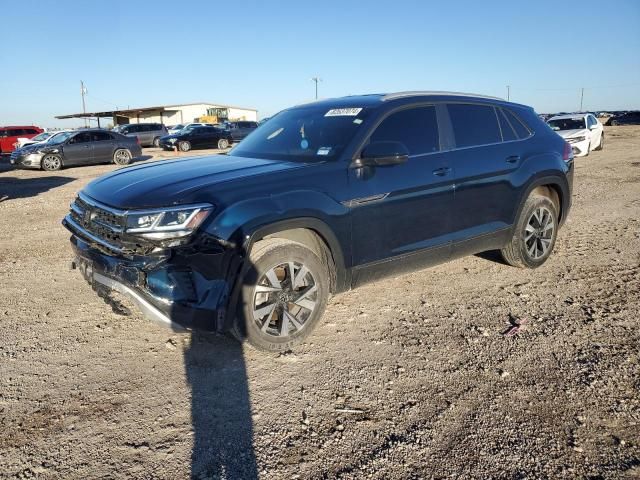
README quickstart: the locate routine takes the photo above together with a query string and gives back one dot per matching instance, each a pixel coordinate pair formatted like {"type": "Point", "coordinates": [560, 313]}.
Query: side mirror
{"type": "Point", "coordinates": [381, 154]}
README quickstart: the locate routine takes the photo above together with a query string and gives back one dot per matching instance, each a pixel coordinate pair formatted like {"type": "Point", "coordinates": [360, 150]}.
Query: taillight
{"type": "Point", "coordinates": [567, 153]}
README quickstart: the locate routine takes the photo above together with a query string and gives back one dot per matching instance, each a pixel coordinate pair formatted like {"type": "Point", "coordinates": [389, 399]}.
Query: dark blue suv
{"type": "Point", "coordinates": [320, 199]}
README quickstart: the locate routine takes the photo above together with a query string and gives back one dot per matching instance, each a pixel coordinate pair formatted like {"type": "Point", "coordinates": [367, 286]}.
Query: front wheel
{"type": "Point", "coordinates": [284, 294]}
{"type": "Point", "coordinates": [534, 234]}
{"type": "Point", "coordinates": [184, 146]}
{"type": "Point", "coordinates": [122, 157]}
{"type": "Point", "coordinates": [223, 143]}
{"type": "Point", "coordinates": [51, 162]}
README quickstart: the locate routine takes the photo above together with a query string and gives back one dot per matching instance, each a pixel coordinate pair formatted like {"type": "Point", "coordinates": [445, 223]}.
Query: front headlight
{"type": "Point", "coordinates": [576, 139]}
{"type": "Point", "coordinates": [167, 223]}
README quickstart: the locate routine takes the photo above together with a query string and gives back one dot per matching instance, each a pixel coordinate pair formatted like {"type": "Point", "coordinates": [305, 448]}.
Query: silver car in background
{"type": "Point", "coordinates": [147, 133]}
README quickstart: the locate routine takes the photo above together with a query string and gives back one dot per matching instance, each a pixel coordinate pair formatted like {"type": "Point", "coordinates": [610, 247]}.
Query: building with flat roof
{"type": "Point", "coordinates": [171, 114]}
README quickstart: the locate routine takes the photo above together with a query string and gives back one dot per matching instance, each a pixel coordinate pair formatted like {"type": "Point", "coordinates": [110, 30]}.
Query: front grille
{"type": "Point", "coordinates": [104, 225]}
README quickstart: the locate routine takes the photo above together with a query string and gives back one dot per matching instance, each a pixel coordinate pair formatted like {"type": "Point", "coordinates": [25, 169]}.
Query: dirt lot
{"type": "Point", "coordinates": [411, 377]}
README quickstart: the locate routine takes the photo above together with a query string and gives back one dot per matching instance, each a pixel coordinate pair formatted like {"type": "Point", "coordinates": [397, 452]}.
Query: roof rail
{"type": "Point", "coordinates": [392, 96]}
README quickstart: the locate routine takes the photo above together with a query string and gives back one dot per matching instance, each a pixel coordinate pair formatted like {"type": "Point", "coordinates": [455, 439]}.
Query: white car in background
{"type": "Point", "coordinates": [44, 137]}
{"type": "Point", "coordinates": [582, 131]}
{"type": "Point", "coordinates": [41, 137]}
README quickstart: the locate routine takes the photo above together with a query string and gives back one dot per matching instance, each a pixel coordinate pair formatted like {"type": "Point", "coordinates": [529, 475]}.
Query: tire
{"type": "Point", "coordinates": [122, 157]}
{"type": "Point", "coordinates": [156, 142]}
{"type": "Point", "coordinates": [538, 215]}
{"type": "Point", "coordinates": [278, 317]}
{"type": "Point", "coordinates": [223, 144]}
{"type": "Point", "coordinates": [601, 144]}
{"type": "Point", "coordinates": [184, 146]}
{"type": "Point", "coordinates": [51, 162]}
{"type": "Point", "coordinates": [614, 123]}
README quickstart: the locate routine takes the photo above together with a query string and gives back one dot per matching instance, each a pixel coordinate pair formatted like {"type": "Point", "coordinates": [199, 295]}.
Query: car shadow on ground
{"type": "Point", "coordinates": [12, 188]}
{"type": "Point", "coordinates": [492, 256]}
{"type": "Point", "coordinates": [220, 409]}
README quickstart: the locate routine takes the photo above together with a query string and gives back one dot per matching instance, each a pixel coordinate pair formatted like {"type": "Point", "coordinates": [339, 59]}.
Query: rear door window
{"type": "Point", "coordinates": [474, 124]}
{"type": "Point", "coordinates": [416, 128]}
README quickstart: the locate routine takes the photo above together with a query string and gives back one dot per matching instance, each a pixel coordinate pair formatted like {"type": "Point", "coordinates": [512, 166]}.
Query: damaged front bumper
{"type": "Point", "coordinates": [187, 287]}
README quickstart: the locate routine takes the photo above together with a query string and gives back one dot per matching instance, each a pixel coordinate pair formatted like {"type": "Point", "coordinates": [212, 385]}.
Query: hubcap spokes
{"type": "Point", "coordinates": [539, 232]}
{"type": "Point", "coordinates": [284, 299]}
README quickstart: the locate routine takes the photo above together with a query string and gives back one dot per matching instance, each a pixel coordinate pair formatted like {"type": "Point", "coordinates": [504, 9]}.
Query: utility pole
{"type": "Point", "coordinates": [83, 92]}
{"type": "Point", "coordinates": [316, 79]}
{"type": "Point", "coordinates": [508, 92]}
{"type": "Point", "coordinates": [581, 97]}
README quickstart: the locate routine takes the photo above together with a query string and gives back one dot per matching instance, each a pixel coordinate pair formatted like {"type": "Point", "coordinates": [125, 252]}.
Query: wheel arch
{"type": "Point", "coordinates": [315, 235]}
{"type": "Point", "coordinates": [554, 188]}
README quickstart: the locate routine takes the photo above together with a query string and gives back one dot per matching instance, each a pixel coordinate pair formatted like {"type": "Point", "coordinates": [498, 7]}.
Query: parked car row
{"type": "Point", "coordinates": [79, 147]}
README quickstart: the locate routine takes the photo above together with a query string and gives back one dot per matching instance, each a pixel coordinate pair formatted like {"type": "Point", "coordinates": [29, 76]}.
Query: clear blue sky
{"type": "Point", "coordinates": [263, 54]}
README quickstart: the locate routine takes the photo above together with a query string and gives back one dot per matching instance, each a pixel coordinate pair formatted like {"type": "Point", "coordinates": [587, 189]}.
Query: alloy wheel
{"type": "Point", "coordinates": [284, 299]}
{"type": "Point", "coordinates": [51, 162]}
{"type": "Point", "coordinates": [122, 157]}
{"type": "Point", "coordinates": [539, 232]}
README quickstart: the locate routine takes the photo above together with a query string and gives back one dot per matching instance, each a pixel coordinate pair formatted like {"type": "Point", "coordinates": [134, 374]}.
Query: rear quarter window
{"type": "Point", "coordinates": [518, 125]}
{"type": "Point", "coordinates": [474, 124]}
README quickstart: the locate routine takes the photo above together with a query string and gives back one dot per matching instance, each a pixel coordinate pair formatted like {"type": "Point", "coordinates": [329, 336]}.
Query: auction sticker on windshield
{"type": "Point", "coordinates": [343, 112]}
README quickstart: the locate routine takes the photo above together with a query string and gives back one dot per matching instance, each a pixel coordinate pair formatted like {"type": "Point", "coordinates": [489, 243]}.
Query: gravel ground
{"type": "Point", "coordinates": [411, 377]}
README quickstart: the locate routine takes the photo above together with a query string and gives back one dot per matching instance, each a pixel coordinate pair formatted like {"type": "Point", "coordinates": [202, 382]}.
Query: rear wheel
{"type": "Point", "coordinates": [122, 156]}
{"type": "Point", "coordinates": [614, 123]}
{"type": "Point", "coordinates": [51, 162]}
{"type": "Point", "coordinates": [184, 146]}
{"type": "Point", "coordinates": [156, 142]}
{"type": "Point", "coordinates": [284, 294]}
{"type": "Point", "coordinates": [534, 234]}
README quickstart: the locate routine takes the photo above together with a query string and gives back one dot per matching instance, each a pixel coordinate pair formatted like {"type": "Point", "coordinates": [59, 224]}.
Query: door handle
{"type": "Point", "coordinates": [441, 172]}
{"type": "Point", "coordinates": [513, 159]}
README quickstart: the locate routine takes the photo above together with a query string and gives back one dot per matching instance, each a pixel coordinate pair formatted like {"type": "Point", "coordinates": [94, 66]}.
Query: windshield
{"type": "Point", "coordinates": [567, 124]}
{"type": "Point", "coordinates": [177, 127]}
{"type": "Point", "coordinates": [303, 134]}
{"type": "Point", "coordinates": [59, 137]}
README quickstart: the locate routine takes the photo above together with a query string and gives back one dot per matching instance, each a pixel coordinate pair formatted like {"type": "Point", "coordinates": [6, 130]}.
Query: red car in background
{"type": "Point", "coordinates": [10, 135]}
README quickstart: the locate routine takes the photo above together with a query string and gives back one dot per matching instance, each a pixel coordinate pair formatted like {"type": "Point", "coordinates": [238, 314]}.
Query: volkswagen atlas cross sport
{"type": "Point", "coordinates": [320, 199]}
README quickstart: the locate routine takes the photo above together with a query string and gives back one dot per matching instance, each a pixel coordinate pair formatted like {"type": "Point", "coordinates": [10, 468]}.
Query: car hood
{"type": "Point", "coordinates": [37, 146]}
{"type": "Point", "coordinates": [174, 182]}
{"type": "Point", "coordinates": [580, 132]}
